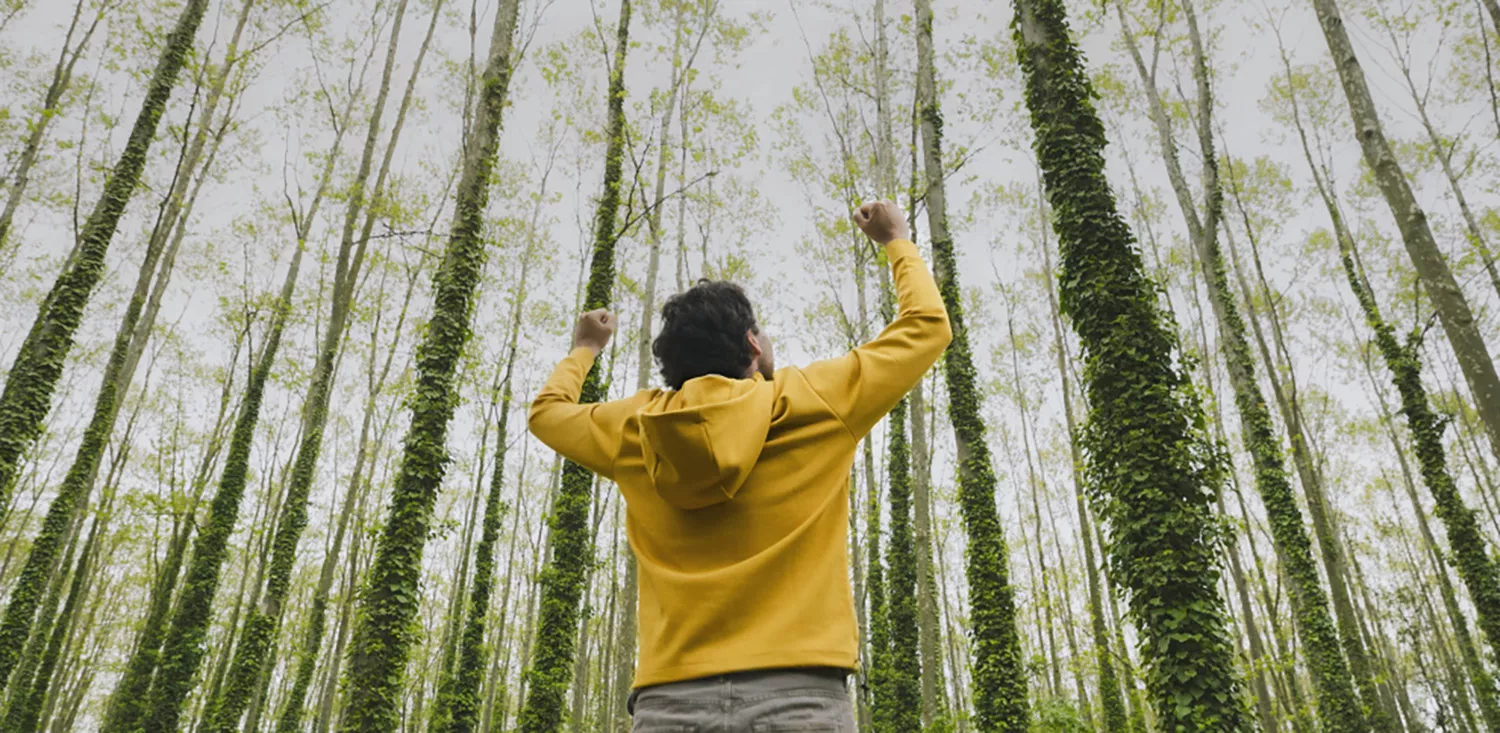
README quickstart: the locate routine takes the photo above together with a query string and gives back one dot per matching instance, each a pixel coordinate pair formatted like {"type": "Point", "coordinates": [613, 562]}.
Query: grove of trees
{"type": "Point", "coordinates": [1216, 445]}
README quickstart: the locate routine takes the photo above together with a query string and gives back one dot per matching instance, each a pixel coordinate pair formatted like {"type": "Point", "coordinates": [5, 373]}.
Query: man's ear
{"type": "Point", "coordinates": [755, 350]}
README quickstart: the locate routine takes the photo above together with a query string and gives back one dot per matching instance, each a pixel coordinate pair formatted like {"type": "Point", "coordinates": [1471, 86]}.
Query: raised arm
{"type": "Point", "coordinates": [864, 384]}
{"type": "Point", "coordinates": [588, 435]}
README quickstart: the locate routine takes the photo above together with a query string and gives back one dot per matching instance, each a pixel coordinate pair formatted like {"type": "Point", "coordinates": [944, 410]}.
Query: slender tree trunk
{"type": "Point", "coordinates": [564, 577]}
{"type": "Point", "coordinates": [1442, 288]}
{"type": "Point", "coordinates": [183, 647]}
{"type": "Point", "coordinates": [62, 76]}
{"type": "Point", "coordinates": [256, 646]}
{"type": "Point", "coordinates": [1479, 676]}
{"type": "Point", "coordinates": [1476, 566]}
{"type": "Point", "coordinates": [381, 638]}
{"type": "Point", "coordinates": [27, 397]}
{"type": "Point", "coordinates": [1338, 707]}
{"type": "Point", "coordinates": [458, 705]}
{"type": "Point", "coordinates": [1157, 500]}
{"type": "Point", "coordinates": [999, 674]}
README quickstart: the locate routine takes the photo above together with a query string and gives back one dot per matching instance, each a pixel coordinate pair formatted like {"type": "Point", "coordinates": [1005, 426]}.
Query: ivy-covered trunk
{"type": "Point", "coordinates": [562, 578]}
{"type": "Point", "coordinates": [459, 699]}
{"type": "Point", "coordinates": [1338, 707]}
{"type": "Point", "coordinates": [183, 648]}
{"type": "Point", "coordinates": [26, 702]}
{"type": "Point", "coordinates": [1151, 471]}
{"type": "Point", "coordinates": [1416, 233]}
{"type": "Point", "coordinates": [383, 631]}
{"type": "Point", "coordinates": [118, 372]}
{"type": "Point", "coordinates": [256, 648]}
{"type": "Point", "coordinates": [1470, 549]}
{"type": "Point", "coordinates": [999, 681]}
{"type": "Point", "coordinates": [27, 397]}
{"type": "Point", "coordinates": [1115, 719]}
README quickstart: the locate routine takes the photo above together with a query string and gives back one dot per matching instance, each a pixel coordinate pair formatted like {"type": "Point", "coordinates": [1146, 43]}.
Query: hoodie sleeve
{"type": "Point", "coordinates": [588, 435]}
{"type": "Point", "coordinates": [864, 384]}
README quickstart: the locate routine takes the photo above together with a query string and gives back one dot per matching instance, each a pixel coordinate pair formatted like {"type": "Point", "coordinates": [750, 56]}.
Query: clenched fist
{"type": "Point", "coordinates": [593, 330]}
{"type": "Point", "coordinates": [882, 221]}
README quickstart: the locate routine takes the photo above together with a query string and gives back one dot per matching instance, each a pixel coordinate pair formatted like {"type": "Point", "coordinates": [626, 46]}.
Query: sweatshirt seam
{"type": "Point", "coordinates": [828, 406]}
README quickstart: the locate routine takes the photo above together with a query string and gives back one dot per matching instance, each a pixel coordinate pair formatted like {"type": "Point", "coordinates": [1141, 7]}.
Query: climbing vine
{"type": "Point", "coordinates": [1000, 702]}
{"type": "Point", "coordinates": [384, 626]}
{"type": "Point", "coordinates": [1152, 474]}
{"type": "Point", "coordinates": [572, 548]}
{"type": "Point", "coordinates": [901, 668]}
{"type": "Point", "coordinates": [28, 388]}
{"type": "Point", "coordinates": [1471, 555]}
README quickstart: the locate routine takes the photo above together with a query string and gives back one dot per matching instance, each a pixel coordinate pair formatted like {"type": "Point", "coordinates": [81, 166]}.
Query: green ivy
{"type": "Point", "coordinates": [563, 577]}
{"type": "Point", "coordinates": [999, 676]}
{"type": "Point", "coordinates": [127, 704]}
{"type": "Point", "coordinates": [385, 624]}
{"type": "Point", "coordinates": [458, 702]}
{"type": "Point", "coordinates": [1476, 567]}
{"type": "Point", "coordinates": [28, 388]}
{"type": "Point", "coordinates": [183, 648]}
{"type": "Point", "coordinates": [881, 710]}
{"type": "Point", "coordinates": [25, 716]}
{"type": "Point", "coordinates": [902, 671]}
{"type": "Point", "coordinates": [1152, 473]}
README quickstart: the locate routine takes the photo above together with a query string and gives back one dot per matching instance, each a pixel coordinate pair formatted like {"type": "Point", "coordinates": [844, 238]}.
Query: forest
{"type": "Point", "coordinates": [1215, 447]}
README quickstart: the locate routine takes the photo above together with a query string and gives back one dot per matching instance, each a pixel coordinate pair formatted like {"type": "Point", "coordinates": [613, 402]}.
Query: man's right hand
{"type": "Point", "coordinates": [882, 221]}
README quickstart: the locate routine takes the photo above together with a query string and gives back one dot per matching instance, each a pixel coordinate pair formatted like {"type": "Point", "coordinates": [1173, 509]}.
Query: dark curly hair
{"type": "Point", "coordinates": [703, 332]}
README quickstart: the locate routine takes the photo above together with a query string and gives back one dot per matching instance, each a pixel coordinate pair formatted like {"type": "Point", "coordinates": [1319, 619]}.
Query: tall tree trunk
{"type": "Point", "coordinates": [1442, 288]}
{"type": "Point", "coordinates": [127, 703]}
{"type": "Point", "coordinates": [1143, 441]}
{"type": "Point", "coordinates": [382, 635]}
{"type": "Point", "coordinates": [255, 649]}
{"type": "Point", "coordinates": [183, 647]}
{"type": "Point", "coordinates": [999, 672]}
{"type": "Point", "coordinates": [563, 578]}
{"type": "Point", "coordinates": [62, 76]}
{"type": "Point", "coordinates": [1479, 676]}
{"type": "Point", "coordinates": [27, 397]}
{"type": "Point", "coordinates": [130, 342]}
{"type": "Point", "coordinates": [1115, 720]}
{"type": "Point", "coordinates": [1476, 566]}
{"type": "Point", "coordinates": [458, 704]}
{"type": "Point", "coordinates": [1337, 705]}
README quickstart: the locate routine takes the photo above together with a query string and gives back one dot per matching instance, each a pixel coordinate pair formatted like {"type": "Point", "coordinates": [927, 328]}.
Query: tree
{"type": "Point", "coordinates": [999, 677]}
{"type": "Point", "coordinates": [255, 649]}
{"type": "Point", "coordinates": [42, 356]}
{"type": "Point", "coordinates": [383, 633]}
{"type": "Point", "coordinates": [183, 647]}
{"type": "Point", "coordinates": [62, 77]}
{"type": "Point", "coordinates": [27, 397]}
{"type": "Point", "coordinates": [1337, 705]}
{"type": "Point", "coordinates": [562, 578]}
{"type": "Point", "coordinates": [1151, 474]}
{"type": "Point", "coordinates": [1416, 233]}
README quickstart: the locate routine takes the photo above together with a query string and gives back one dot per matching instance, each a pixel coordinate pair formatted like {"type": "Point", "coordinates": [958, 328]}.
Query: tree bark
{"type": "Point", "coordinates": [1442, 288]}
{"type": "Point", "coordinates": [382, 638]}
{"type": "Point", "coordinates": [563, 579]}
{"type": "Point", "coordinates": [1000, 702]}
{"type": "Point", "coordinates": [27, 397]}
{"type": "Point", "coordinates": [1151, 490]}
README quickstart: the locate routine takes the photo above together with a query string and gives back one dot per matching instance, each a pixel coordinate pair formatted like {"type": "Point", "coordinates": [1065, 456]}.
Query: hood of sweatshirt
{"type": "Point", "coordinates": [700, 442]}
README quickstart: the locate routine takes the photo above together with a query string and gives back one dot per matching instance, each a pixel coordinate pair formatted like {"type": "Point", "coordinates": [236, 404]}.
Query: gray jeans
{"type": "Point", "coordinates": [813, 699]}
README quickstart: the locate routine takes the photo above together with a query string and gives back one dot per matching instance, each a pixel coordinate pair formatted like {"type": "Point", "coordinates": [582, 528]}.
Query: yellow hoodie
{"type": "Point", "coordinates": [737, 492]}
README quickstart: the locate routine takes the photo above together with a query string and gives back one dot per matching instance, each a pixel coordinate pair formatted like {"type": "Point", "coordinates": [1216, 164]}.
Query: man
{"type": "Point", "coordinates": [736, 486]}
